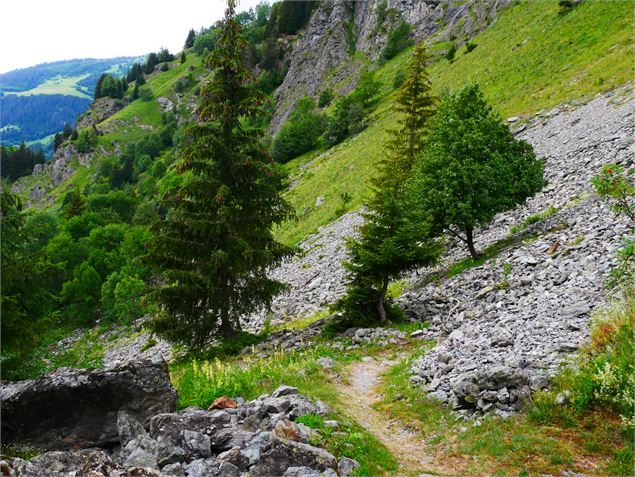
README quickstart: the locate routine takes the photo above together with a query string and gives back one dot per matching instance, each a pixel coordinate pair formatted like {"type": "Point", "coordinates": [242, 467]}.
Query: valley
{"type": "Point", "coordinates": [513, 361]}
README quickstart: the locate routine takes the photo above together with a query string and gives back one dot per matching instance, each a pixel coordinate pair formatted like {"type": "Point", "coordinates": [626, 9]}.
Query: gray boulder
{"type": "Point", "coordinates": [284, 453]}
{"type": "Point", "coordinates": [79, 407]}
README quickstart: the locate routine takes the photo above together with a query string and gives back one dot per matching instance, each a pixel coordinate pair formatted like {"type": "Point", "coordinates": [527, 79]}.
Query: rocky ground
{"type": "Point", "coordinates": [123, 419]}
{"type": "Point", "coordinates": [506, 326]}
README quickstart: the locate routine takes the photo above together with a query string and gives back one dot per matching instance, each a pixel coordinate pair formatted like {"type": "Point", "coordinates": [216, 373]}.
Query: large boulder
{"type": "Point", "coordinates": [78, 408]}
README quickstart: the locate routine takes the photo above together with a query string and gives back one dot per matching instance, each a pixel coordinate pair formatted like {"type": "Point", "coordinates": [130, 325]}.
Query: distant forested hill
{"type": "Point", "coordinates": [38, 101]}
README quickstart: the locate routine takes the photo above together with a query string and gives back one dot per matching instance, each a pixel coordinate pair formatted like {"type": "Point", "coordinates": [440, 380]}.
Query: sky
{"type": "Point", "coordinates": [41, 31]}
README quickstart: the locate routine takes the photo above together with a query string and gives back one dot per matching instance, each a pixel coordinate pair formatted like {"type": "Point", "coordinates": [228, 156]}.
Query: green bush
{"type": "Point", "coordinates": [604, 374]}
{"type": "Point", "coordinates": [145, 93]}
{"type": "Point", "coordinates": [326, 97]}
{"type": "Point", "coordinates": [451, 53]}
{"type": "Point", "coordinates": [86, 142]}
{"type": "Point", "coordinates": [398, 40]}
{"type": "Point", "coordinates": [300, 134]}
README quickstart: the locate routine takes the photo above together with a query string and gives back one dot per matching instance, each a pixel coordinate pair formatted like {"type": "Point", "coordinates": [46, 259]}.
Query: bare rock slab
{"type": "Point", "coordinates": [78, 408]}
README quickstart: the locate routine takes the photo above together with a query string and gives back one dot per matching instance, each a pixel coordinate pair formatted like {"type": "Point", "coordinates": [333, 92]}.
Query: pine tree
{"type": "Point", "coordinates": [73, 205]}
{"type": "Point", "coordinates": [183, 57]}
{"type": "Point", "coordinates": [215, 244]}
{"type": "Point", "coordinates": [189, 41]}
{"type": "Point", "coordinates": [135, 91]}
{"type": "Point", "coordinates": [396, 237]}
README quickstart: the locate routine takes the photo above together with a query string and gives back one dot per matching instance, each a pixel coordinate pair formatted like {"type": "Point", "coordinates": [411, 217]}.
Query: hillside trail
{"type": "Point", "coordinates": [359, 393]}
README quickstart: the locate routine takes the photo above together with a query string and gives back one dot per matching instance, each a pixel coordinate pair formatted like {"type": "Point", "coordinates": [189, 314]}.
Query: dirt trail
{"type": "Point", "coordinates": [359, 394]}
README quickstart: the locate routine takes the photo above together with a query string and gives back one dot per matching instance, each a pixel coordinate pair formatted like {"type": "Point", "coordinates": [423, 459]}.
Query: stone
{"type": "Point", "coordinates": [227, 469]}
{"type": "Point", "coordinates": [197, 443]}
{"type": "Point", "coordinates": [301, 472]}
{"type": "Point", "coordinates": [326, 363]}
{"type": "Point", "coordinates": [167, 453]}
{"type": "Point", "coordinates": [173, 470]}
{"type": "Point", "coordinates": [128, 428]}
{"type": "Point", "coordinates": [235, 457]}
{"type": "Point", "coordinates": [79, 407]}
{"type": "Point", "coordinates": [202, 468]}
{"type": "Point", "coordinates": [284, 390]}
{"type": "Point", "coordinates": [284, 453]}
{"type": "Point", "coordinates": [141, 458]}
{"type": "Point", "coordinates": [223, 402]}
{"type": "Point", "coordinates": [347, 466]}
{"type": "Point", "coordinates": [577, 309]}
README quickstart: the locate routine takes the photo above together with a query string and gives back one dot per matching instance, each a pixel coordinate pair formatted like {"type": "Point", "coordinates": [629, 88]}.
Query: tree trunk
{"type": "Point", "coordinates": [381, 310]}
{"type": "Point", "coordinates": [469, 240]}
{"type": "Point", "coordinates": [226, 325]}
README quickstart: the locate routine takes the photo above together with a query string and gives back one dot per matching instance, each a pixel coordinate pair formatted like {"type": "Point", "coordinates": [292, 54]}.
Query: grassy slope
{"type": "Point", "coordinates": [66, 85]}
{"type": "Point", "coordinates": [565, 57]}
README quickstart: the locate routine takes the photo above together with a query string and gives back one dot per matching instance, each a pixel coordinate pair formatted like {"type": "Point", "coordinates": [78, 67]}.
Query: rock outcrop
{"type": "Point", "coordinates": [324, 54]}
{"type": "Point", "coordinates": [78, 407]}
{"type": "Point", "coordinates": [258, 438]}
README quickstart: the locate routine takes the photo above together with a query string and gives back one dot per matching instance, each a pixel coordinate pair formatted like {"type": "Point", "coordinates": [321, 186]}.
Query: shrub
{"type": "Point", "coordinates": [451, 53]}
{"type": "Point", "coordinates": [399, 79]}
{"type": "Point", "coordinates": [86, 142]}
{"type": "Point", "coordinates": [326, 97]}
{"type": "Point", "coordinates": [300, 134]}
{"type": "Point", "coordinates": [145, 93]}
{"type": "Point", "coordinates": [348, 119]}
{"type": "Point", "coordinates": [604, 373]}
{"type": "Point", "coordinates": [469, 46]}
{"type": "Point", "coordinates": [398, 40]}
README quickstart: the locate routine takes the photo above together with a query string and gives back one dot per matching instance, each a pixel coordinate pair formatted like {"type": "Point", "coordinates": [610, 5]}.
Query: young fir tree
{"type": "Point", "coordinates": [191, 36]}
{"type": "Point", "coordinates": [215, 244]}
{"type": "Point", "coordinates": [395, 237]}
{"type": "Point", "coordinates": [472, 167]}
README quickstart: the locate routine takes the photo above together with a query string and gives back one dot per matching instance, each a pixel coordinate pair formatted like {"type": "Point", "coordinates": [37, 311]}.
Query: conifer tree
{"type": "Point", "coordinates": [395, 237]}
{"type": "Point", "coordinates": [73, 205]}
{"type": "Point", "coordinates": [189, 41]}
{"type": "Point", "coordinates": [215, 244]}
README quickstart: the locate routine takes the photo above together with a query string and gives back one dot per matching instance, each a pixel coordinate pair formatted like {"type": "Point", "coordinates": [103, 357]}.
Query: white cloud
{"type": "Point", "coordinates": [38, 31]}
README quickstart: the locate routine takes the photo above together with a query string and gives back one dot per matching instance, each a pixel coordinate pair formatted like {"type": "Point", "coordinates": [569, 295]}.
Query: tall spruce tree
{"type": "Point", "coordinates": [395, 237]}
{"type": "Point", "coordinates": [215, 244]}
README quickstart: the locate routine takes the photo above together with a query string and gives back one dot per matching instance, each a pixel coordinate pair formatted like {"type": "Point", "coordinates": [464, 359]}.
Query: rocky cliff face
{"type": "Point", "coordinates": [343, 35]}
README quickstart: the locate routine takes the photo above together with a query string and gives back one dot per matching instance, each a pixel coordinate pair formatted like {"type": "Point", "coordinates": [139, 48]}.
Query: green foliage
{"type": "Point", "coordinates": [145, 93]}
{"type": "Point", "coordinates": [604, 374]}
{"type": "Point", "coordinates": [469, 46]}
{"type": "Point", "coordinates": [533, 219]}
{"type": "Point", "coordinates": [189, 41]}
{"type": "Point", "coordinates": [86, 141]}
{"type": "Point", "coordinates": [288, 17]}
{"type": "Point", "coordinates": [214, 246]}
{"type": "Point", "coordinates": [366, 89]}
{"type": "Point", "coordinates": [398, 40]}
{"type": "Point", "coordinates": [74, 204]}
{"type": "Point", "coordinates": [314, 421]}
{"type": "Point", "coordinates": [617, 185]}
{"type": "Point", "coordinates": [108, 85]}
{"type": "Point", "coordinates": [451, 53]}
{"type": "Point", "coordinates": [19, 161]}
{"type": "Point", "coordinates": [397, 236]}
{"type": "Point", "coordinates": [121, 296]}
{"type": "Point", "coordinates": [399, 79]}
{"type": "Point", "coordinates": [300, 134]}
{"type": "Point", "coordinates": [25, 299]}
{"type": "Point", "coordinates": [472, 167]}
{"type": "Point", "coordinates": [326, 97]}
